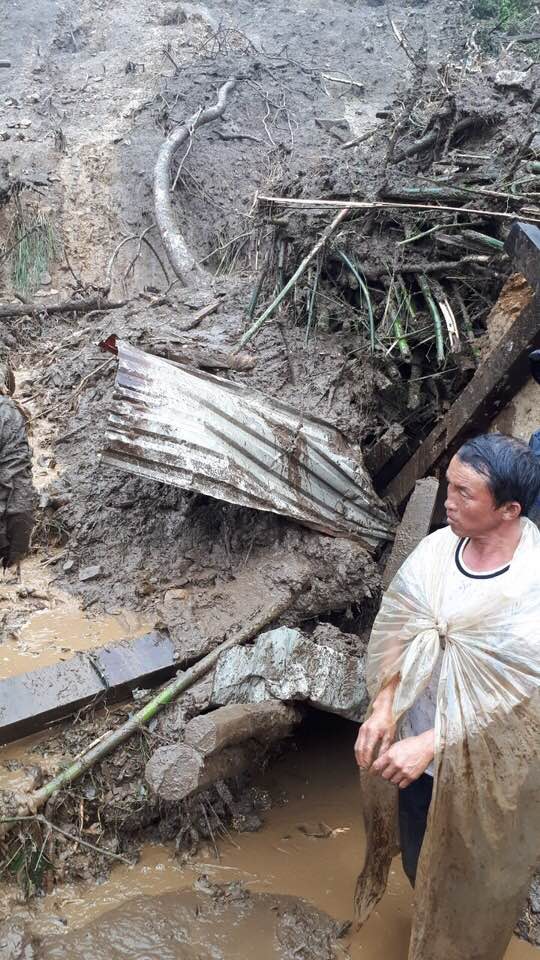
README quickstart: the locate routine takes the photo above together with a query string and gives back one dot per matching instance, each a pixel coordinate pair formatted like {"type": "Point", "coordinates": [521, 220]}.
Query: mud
{"type": "Point", "coordinates": [310, 847]}
{"type": "Point", "coordinates": [191, 925]}
{"type": "Point", "coordinates": [95, 87]}
{"type": "Point", "coordinates": [90, 100]}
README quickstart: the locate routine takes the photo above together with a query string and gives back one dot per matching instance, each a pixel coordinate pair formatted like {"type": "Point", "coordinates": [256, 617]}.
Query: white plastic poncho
{"type": "Point", "coordinates": [482, 842]}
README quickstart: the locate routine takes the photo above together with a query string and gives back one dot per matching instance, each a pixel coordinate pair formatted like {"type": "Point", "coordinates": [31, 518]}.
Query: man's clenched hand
{"type": "Point", "coordinates": [406, 760]}
{"type": "Point", "coordinates": [378, 732]}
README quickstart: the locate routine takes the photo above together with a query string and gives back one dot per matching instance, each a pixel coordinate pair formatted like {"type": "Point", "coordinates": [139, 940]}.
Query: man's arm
{"type": "Point", "coordinates": [378, 732]}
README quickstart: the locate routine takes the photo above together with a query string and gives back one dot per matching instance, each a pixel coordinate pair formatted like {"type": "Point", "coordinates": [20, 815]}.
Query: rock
{"type": "Point", "coordinates": [320, 831]}
{"type": "Point", "coordinates": [90, 573]}
{"type": "Point", "coordinates": [534, 895]}
{"type": "Point", "coordinates": [68, 565]}
{"type": "Point", "coordinates": [15, 941]}
{"type": "Point", "coordinates": [287, 664]}
{"type": "Point", "coordinates": [519, 79]}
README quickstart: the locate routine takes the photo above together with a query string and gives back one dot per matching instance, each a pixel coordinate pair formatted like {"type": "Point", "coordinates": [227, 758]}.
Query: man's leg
{"type": "Point", "coordinates": [414, 804]}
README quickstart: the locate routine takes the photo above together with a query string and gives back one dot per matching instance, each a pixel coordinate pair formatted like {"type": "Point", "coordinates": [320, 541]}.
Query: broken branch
{"type": "Point", "coordinates": [68, 306]}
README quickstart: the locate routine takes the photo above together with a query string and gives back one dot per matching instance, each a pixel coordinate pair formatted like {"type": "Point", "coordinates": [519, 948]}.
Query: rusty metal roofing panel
{"type": "Point", "coordinates": [189, 428]}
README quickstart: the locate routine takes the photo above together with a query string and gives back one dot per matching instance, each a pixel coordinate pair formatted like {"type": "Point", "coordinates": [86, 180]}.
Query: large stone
{"type": "Point", "coordinates": [286, 664]}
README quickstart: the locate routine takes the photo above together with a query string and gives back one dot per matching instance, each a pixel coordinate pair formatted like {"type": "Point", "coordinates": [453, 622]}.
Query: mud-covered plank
{"type": "Point", "coordinates": [31, 701]}
{"type": "Point", "coordinates": [414, 525]}
{"type": "Point", "coordinates": [523, 245]}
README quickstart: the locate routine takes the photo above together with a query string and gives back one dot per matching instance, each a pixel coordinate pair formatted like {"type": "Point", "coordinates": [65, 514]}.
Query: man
{"type": "Point", "coordinates": [16, 491]}
{"type": "Point", "coordinates": [454, 667]}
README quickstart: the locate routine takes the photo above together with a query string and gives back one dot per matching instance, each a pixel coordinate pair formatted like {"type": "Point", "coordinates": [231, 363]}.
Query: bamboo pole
{"type": "Point", "coordinates": [116, 737]}
{"type": "Point", "coordinates": [388, 205]}
{"type": "Point", "coordinates": [364, 291]}
{"type": "Point", "coordinates": [255, 327]}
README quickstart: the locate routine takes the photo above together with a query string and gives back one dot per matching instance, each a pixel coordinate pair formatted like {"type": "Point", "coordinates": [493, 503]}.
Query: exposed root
{"type": "Point", "coordinates": [180, 257]}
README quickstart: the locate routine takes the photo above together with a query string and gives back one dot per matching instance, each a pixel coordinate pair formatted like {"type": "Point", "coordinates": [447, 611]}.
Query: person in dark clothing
{"type": "Point", "coordinates": [17, 494]}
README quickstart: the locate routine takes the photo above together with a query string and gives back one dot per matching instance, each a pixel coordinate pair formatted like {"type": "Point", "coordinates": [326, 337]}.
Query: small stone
{"type": "Point", "coordinates": [519, 79]}
{"type": "Point", "coordinates": [46, 278]}
{"type": "Point", "coordinates": [90, 573]}
{"type": "Point", "coordinates": [4, 135]}
{"type": "Point", "coordinates": [33, 97]}
{"type": "Point", "coordinates": [68, 565]}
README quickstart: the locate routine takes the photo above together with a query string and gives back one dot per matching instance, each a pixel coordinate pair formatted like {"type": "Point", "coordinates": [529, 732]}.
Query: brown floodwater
{"type": "Point", "coordinates": [310, 847]}
{"type": "Point", "coordinates": [58, 630]}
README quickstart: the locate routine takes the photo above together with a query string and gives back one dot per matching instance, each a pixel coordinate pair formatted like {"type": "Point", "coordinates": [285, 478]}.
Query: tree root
{"type": "Point", "coordinates": [180, 258]}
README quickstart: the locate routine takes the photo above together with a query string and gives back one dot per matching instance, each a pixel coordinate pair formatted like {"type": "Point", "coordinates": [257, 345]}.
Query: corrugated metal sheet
{"type": "Point", "coordinates": [194, 430]}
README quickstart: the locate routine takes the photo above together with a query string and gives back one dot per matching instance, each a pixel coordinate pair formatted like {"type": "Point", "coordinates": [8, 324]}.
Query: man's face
{"type": "Point", "coordinates": [470, 506]}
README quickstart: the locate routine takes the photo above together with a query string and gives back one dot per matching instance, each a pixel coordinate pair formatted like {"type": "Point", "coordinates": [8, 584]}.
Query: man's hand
{"type": "Point", "coordinates": [377, 733]}
{"type": "Point", "coordinates": [406, 760]}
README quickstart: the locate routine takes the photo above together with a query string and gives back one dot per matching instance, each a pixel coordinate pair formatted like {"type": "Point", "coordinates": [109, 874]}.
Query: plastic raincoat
{"type": "Point", "coordinates": [482, 842]}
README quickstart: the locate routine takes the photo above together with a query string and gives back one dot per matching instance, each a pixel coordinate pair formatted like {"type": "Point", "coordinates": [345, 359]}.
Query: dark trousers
{"type": "Point", "coordinates": [414, 804]}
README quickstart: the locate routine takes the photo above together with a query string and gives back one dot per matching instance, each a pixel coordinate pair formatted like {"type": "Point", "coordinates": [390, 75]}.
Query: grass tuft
{"type": "Point", "coordinates": [36, 246]}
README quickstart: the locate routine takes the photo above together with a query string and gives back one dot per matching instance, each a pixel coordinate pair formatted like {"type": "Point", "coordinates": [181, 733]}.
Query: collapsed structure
{"type": "Point", "coordinates": [273, 425]}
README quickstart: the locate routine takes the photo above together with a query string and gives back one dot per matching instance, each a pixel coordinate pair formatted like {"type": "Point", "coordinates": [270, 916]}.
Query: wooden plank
{"type": "Point", "coordinates": [31, 701]}
{"type": "Point", "coordinates": [414, 526]}
{"type": "Point", "coordinates": [523, 245]}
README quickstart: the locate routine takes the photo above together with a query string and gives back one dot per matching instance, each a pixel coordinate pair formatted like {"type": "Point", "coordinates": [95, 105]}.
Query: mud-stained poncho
{"type": "Point", "coordinates": [17, 494]}
{"type": "Point", "coordinates": [482, 842]}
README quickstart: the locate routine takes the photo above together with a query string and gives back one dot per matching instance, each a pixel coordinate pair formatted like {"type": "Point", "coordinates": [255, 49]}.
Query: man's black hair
{"type": "Point", "coordinates": [511, 469]}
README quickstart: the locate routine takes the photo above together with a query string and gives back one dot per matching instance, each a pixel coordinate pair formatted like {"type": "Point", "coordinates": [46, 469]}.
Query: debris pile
{"type": "Point", "coordinates": [335, 311]}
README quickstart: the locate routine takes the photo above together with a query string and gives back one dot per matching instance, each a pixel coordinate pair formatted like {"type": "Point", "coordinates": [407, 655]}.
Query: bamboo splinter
{"type": "Point", "coordinates": [255, 327]}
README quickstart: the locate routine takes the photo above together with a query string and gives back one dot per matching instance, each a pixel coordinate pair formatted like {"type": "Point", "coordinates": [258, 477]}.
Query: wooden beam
{"type": "Point", "coordinates": [414, 526]}
{"type": "Point", "coordinates": [31, 701]}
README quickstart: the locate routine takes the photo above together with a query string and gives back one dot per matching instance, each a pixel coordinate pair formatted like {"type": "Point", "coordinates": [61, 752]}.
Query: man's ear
{"type": "Point", "coordinates": [511, 510]}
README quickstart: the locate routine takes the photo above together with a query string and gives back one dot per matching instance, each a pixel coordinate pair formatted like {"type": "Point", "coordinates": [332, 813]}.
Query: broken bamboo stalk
{"type": "Point", "coordinates": [435, 316]}
{"type": "Point", "coordinates": [255, 327]}
{"type": "Point", "coordinates": [139, 719]}
{"type": "Point", "coordinates": [365, 293]}
{"type": "Point", "coordinates": [387, 205]}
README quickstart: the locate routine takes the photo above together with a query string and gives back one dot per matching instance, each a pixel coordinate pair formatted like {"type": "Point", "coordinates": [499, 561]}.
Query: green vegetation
{"type": "Point", "coordinates": [35, 246]}
{"type": "Point", "coordinates": [508, 13]}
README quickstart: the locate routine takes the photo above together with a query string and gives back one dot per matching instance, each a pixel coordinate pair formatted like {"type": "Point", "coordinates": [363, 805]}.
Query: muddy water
{"type": "Point", "coordinates": [48, 625]}
{"type": "Point", "coordinates": [310, 847]}
{"type": "Point", "coordinates": [55, 634]}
